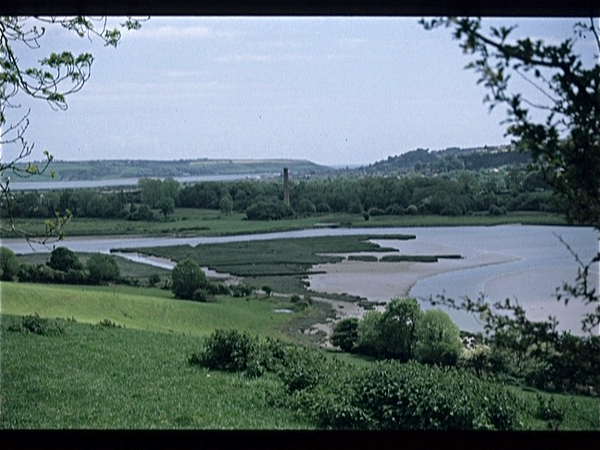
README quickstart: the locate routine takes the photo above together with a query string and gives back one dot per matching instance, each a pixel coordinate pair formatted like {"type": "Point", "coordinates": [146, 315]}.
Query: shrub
{"type": "Point", "coordinates": [187, 278]}
{"type": "Point", "coordinates": [415, 397]}
{"type": "Point", "coordinates": [345, 334]}
{"type": "Point", "coordinates": [437, 339]}
{"type": "Point", "coordinates": [300, 304]}
{"type": "Point", "coordinates": [108, 324]}
{"type": "Point", "coordinates": [142, 213]}
{"type": "Point", "coordinates": [103, 268]}
{"type": "Point", "coordinates": [9, 264]}
{"type": "Point", "coordinates": [37, 325]}
{"type": "Point", "coordinates": [269, 210]}
{"type": "Point", "coordinates": [203, 295]}
{"type": "Point", "coordinates": [39, 273]}
{"type": "Point", "coordinates": [153, 279]}
{"type": "Point", "coordinates": [241, 290]}
{"type": "Point", "coordinates": [496, 211]}
{"type": "Point", "coordinates": [226, 350]}
{"type": "Point", "coordinates": [64, 260]}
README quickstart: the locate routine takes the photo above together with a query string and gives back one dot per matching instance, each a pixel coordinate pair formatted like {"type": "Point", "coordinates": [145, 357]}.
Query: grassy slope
{"type": "Point", "coordinates": [144, 308]}
{"type": "Point", "coordinates": [115, 378]}
{"type": "Point", "coordinates": [97, 377]}
{"type": "Point", "coordinates": [196, 222]}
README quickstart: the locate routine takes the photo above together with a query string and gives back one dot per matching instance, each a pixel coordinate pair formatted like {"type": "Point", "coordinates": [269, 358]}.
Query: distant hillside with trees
{"type": "Point", "coordinates": [129, 168]}
{"type": "Point", "coordinates": [443, 161]}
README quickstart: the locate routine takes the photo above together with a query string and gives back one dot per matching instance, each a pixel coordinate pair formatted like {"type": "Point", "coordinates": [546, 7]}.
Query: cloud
{"type": "Point", "coordinates": [171, 32]}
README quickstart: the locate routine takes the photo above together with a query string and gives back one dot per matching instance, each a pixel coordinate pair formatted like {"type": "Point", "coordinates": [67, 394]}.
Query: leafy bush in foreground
{"type": "Point", "coordinates": [226, 350]}
{"type": "Point", "coordinates": [389, 395]}
{"type": "Point", "coordinates": [416, 397]}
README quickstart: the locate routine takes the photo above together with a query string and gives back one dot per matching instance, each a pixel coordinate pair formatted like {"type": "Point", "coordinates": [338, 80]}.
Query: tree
{"type": "Point", "coordinates": [397, 328]}
{"type": "Point", "coordinates": [345, 334]}
{"type": "Point", "coordinates": [103, 268]}
{"type": "Point", "coordinates": [166, 206]}
{"type": "Point", "coordinates": [563, 142]}
{"type": "Point", "coordinates": [437, 339]}
{"type": "Point", "coordinates": [187, 278]}
{"type": "Point", "coordinates": [226, 204]}
{"type": "Point", "coordinates": [64, 260]}
{"type": "Point", "coordinates": [368, 342]}
{"type": "Point", "coordinates": [9, 264]}
{"type": "Point", "coordinates": [53, 79]}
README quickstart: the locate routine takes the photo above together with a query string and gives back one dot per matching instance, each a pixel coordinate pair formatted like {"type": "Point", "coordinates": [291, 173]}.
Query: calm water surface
{"type": "Point", "coordinates": [540, 262]}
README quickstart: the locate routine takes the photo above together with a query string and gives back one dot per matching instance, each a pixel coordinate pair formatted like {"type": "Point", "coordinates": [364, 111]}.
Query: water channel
{"type": "Point", "coordinates": [522, 263]}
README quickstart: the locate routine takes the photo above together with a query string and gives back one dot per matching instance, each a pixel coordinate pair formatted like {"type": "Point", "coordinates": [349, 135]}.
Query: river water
{"type": "Point", "coordinates": [522, 263]}
{"type": "Point", "coordinates": [117, 182]}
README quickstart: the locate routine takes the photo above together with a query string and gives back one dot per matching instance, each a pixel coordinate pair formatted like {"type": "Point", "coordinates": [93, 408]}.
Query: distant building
{"type": "Point", "coordinates": [286, 187]}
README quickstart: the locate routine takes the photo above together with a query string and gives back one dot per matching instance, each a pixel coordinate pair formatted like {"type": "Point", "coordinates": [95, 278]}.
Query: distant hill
{"type": "Point", "coordinates": [118, 168]}
{"type": "Point", "coordinates": [449, 159]}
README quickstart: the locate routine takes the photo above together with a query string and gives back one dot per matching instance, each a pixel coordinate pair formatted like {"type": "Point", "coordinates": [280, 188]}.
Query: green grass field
{"type": "Point", "coordinates": [199, 222]}
{"type": "Point", "coordinates": [146, 309]}
{"type": "Point", "coordinates": [138, 376]}
{"type": "Point", "coordinates": [94, 377]}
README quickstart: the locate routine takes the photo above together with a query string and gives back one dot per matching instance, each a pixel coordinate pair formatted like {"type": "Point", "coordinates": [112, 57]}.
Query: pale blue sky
{"type": "Point", "coordinates": [335, 91]}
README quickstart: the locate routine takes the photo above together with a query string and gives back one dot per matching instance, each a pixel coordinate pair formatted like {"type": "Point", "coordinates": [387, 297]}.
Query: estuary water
{"type": "Point", "coordinates": [522, 263]}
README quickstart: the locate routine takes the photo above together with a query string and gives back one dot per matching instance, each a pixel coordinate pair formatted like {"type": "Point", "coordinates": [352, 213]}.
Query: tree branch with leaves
{"type": "Point", "coordinates": [564, 144]}
{"type": "Point", "coordinates": [53, 79]}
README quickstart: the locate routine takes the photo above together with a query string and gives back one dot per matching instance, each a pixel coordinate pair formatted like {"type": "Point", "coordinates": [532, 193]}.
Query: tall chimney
{"type": "Point", "coordinates": [286, 187]}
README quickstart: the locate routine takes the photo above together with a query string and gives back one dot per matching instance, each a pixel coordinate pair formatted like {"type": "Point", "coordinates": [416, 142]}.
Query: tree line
{"type": "Point", "coordinates": [456, 193]}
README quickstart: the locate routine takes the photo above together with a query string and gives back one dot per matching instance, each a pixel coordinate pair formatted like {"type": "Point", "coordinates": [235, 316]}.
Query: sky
{"type": "Point", "coordinates": [335, 91]}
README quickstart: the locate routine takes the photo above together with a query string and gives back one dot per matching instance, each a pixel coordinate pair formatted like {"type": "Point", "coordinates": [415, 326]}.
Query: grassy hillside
{"type": "Point", "coordinates": [114, 169]}
{"type": "Point", "coordinates": [145, 309]}
{"type": "Point", "coordinates": [96, 377]}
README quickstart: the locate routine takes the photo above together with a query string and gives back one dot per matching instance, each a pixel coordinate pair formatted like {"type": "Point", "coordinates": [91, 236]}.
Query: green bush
{"type": "Point", "coordinates": [204, 295]}
{"type": "Point", "coordinates": [64, 260]}
{"type": "Point", "coordinates": [153, 279]}
{"type": "Point", "coordinates": [241, 290]}
{"type": "Point", "coordinates": [103, 268]}
{"type": "Point", "coordinates": [187, 278]}
{"type": "Point", "coordinates": [9, 264]}
{"type": "Point", "coordinates": [108, 324]}
{"type": "Point", "coordinates": [37, 325]}
{"type": "Point", "coordinates": [227, 350]}
{"type": "Point", "coordinates": [416, 397]}
{"type": "Point", "coordinates": [345, 334]}
{"type": "Point", "coordinates": [437, 339]}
